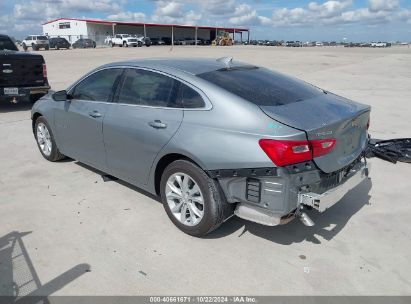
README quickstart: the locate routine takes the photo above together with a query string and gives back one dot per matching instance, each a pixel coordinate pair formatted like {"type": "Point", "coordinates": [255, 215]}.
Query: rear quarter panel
{"type": "Point", "coordinates": [226, 137]}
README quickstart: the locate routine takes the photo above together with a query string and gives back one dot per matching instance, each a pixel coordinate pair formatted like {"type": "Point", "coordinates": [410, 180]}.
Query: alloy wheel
{"type": "Point", "coordinates": [185, 199]}
{"type": "Point", "coordinates": [44, 139]}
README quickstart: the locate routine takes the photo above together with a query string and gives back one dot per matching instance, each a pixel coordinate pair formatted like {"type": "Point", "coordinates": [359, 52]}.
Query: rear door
{"type": "Point", "coordinates": [79, 122]}
{"type": "Point", "coordinates": [146, 116]}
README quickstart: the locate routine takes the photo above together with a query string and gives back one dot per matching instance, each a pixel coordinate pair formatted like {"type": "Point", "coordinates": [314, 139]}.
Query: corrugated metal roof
{"type": "Point", "coordinates": [228, 29]}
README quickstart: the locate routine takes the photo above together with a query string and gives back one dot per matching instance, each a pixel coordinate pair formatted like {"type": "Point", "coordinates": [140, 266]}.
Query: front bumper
{"type": "Point", "coordinates": [322, 202]}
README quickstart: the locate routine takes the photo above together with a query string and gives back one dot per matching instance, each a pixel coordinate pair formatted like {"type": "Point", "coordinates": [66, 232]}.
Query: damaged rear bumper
{"type": "Point", "coordinates": [277, 198]}
{"type": "Point", "coordinates": [322, 202]}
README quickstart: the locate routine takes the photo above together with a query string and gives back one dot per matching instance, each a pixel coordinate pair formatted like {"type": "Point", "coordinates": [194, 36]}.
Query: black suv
{"type": "Point", "coordinates": [59, 43]}
{"type": "Point", "coordinates": [23, 76]}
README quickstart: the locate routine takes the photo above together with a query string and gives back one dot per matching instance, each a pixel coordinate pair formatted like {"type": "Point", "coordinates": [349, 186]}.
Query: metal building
{"type": "Point", "coordinates": [73, 29]}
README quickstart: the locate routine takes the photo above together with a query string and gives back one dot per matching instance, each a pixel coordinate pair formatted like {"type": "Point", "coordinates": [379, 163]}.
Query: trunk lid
{"type": "Point", "coordinates": [324, 117]}
{"type": "Point", "coordinates": [18, 69]}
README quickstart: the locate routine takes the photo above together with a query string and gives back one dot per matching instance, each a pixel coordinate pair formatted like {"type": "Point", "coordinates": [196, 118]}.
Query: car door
{"type": "Point", "coordinates": [79, 123]}
{"type": "Point", "coordinates": [140, 124]}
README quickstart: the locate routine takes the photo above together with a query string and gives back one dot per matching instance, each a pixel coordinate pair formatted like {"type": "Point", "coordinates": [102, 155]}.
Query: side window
{"type": "Point", "coordinates": [118, 36]}
{"type": "Point", "coordinates": [147, 88]}
{"type": "Point", "coordinates": [27, 38]}
{"type": "Point", "coordinates": [99, 86]}
{"type": "Point", "coordinates": [190, 98]}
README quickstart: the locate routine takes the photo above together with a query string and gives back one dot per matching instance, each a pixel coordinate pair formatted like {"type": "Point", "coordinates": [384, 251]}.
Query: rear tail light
{"type": "Point", "coordinates": [288, 152]}
{"type": "Point", "coordinates": [322, 146]}
{"type": "Point", "coordinates": [44, 70]}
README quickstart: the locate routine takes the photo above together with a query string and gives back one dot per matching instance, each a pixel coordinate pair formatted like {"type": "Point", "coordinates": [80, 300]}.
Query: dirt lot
{"type": "Point", "coordinates": [65, 231]}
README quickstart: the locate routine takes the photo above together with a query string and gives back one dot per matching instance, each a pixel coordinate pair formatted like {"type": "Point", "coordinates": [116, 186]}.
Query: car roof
{"type": "Point", "coordinates": [193, 66]}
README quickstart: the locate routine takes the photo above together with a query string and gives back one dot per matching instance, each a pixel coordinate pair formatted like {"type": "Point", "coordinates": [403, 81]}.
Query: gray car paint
{"type": "Point", "coordinates": [223, 135]}
{"type": "Point", "coordinates": [324, 117]}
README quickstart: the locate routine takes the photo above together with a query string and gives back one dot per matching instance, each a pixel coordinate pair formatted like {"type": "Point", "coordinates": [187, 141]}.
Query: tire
{"type": "Point", "coordinates": [25, 47]}
{"type": "Point", "coordinates": [112, 45]}
{"type": "Point", "coordinates": [140, 44]}
{"type": "Point", "coordinates": [34, 47]}
{"type": "Point", "coordinates": [214, 210]}
{"type": "Point", "coordinates": [54, 154]}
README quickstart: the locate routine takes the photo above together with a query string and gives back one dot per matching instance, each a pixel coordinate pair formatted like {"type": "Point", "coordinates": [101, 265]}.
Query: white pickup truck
{"type": "Point", "coordinates": [379, 44]}
{"type": "Point", "coordinates": [124, 40]}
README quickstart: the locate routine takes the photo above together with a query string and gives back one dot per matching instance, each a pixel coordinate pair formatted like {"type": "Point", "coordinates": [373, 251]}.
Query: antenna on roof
{"type": "Point", "coordinates": [227, 61]}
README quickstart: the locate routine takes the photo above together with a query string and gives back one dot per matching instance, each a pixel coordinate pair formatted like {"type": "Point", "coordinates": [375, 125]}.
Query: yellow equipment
{"type": "Point", "coordinates": [223, 40]}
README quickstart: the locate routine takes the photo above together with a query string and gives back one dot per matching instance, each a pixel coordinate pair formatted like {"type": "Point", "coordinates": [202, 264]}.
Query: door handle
{"type": "Point", "coordinates": [157, 124]}
{"type": "Point", "coordinates": [95, 114]}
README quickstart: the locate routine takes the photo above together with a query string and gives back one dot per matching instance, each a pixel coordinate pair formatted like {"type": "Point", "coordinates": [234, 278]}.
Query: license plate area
{"type": "Point", "coordinates": [11, 91]}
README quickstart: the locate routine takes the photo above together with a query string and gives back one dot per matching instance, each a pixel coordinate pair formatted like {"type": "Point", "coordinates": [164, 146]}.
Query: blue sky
{"type": "Point", "coordinates": [356, 20]}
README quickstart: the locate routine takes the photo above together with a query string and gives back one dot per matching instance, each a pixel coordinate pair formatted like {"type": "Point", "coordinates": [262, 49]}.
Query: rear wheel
{"type": "Point", "coordinates": [24, 47]}
{"type": "Point", "coordinates": [45, 140]}
{"type": "Point", "coordinates": [192, 200]}
{"type": "Point", "coordinates": [34, 47]}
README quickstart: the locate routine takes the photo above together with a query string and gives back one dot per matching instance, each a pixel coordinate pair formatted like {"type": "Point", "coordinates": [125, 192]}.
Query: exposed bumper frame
{"type": "Point", "coordinates": [322, 202]}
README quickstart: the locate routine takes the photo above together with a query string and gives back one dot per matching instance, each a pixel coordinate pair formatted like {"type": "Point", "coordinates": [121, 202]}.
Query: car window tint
{"type": "Point", "coordinates": [7, 44]}
{"type": "Point", "coordinates": [98, 86]}
{"type": "Point", "coordinates": [261, 86]}
{"type": "Point", "coordinates": [190, 98]}
{"type": "Point", "coordinates": [147, 88]}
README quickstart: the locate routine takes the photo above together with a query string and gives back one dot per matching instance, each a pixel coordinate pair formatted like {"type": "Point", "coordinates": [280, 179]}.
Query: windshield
{"type": "Point", "coordinates": [261, 86]}
{"type": "Point", "coordinates": [7, 44]}
{"type": "Point", "coordinates": [41, 38]}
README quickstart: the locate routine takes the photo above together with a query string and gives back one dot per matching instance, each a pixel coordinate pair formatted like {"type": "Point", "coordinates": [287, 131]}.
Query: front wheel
{"type": "Point", "coordinates": [45, 140]}
{"type": "Point", "coordinates": [193, 201]}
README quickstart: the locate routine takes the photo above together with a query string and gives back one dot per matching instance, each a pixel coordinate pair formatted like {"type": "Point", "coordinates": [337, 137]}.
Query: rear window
{"type": "Point", "coordinates": [41, 38]}
{"type": "Point", "coordinates": [261, 86]}
{"type": "Point", "coordinates": [7, 44]}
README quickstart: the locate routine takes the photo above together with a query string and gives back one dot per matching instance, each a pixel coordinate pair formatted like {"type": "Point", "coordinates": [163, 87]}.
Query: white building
{"type": "Point", "coordinates": [73, 29]}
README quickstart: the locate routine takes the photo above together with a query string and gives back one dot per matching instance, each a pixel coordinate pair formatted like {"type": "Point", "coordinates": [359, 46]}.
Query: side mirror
{"type": "Point", "coordinates": [60, 96]}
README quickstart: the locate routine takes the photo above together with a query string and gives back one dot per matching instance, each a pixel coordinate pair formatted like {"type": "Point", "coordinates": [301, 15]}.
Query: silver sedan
{"type": "Point", "coordinates": [212, 138]}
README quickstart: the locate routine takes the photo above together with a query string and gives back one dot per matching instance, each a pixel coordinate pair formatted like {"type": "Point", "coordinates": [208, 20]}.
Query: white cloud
{"type": "Point", "coordinates": [128, 16]}
{"type": "Point", "coordinates": [383, 5]}
{"type": "Point", "coordinates": [329, 8]}
{"type": "Point", "coordinates": [336, 12]}
{"type": "Point", "coordinates": [218, 7]}
{"type": "Point", "coordinates": [173, 12]}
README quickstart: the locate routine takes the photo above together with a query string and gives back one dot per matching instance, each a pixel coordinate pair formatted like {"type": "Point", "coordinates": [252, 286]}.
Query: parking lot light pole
{"type": "Point", "coordinates": [172, 35]}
